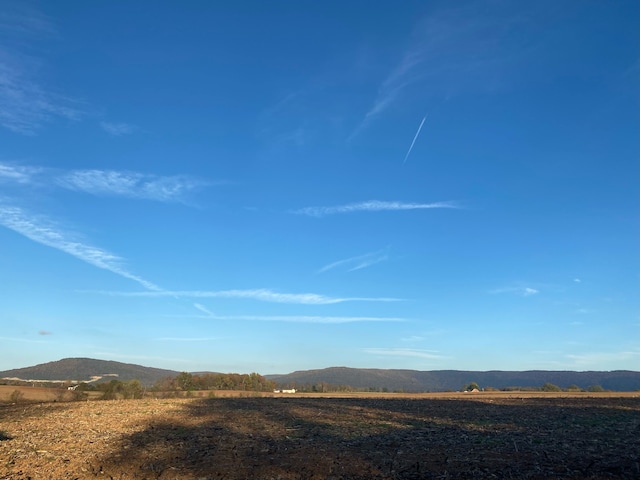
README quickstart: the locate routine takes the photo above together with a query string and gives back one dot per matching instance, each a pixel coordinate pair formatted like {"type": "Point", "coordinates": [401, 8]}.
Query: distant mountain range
{"type": "Point", "coordinates": [452, 380]}
{"type": "Point", "coordinates": [87, 369]}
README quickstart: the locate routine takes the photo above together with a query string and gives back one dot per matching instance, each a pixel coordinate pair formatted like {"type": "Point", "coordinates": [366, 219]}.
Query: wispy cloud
{"type": "Point", "coordinates": [122, 183]}
{"type": "Point", "coordinates": [370, 206]}
{"type": "Point", "coordinates": [320, 319]}
{"type": "Point", "coordinates": [21, 340]}
{"type": "Point", "coordinates": [598, 359]}
{"type": "Point", "coordinates": [19, 20]}
{"type": "Point", "coordinates": [263, 294]}
{"type": "Point", "coordinates": [424, 336]}
{"type": "Point", "coordinates": [454, 49]}
{"type": "Point", "coordinates": [129, 184]}
{"type": "Point", "coordinates": [118, 129]}
{"type": "Point", "coordinates": [25, 103]}
{"type": "Point", "coordinates": [522, 291]}
{"type": "Point", "coordinates": [359, 262]}
{"type": "Point", "coordinates": [46, 232]}
{"type": "Point", "coordinates": [405, 352]}
{"type": "Point", "coordinates": [413, 338]}
{"type": "Point", "coordinates": [18, 173]}
{"type": "Point", "coordinates": [112, 355]}
{"type": "Point", "coordinates": [24, 107]}
{"type": "Point", "coordinates": [182, 339]}
{"type": "Point", "coordinates": [204, 309]}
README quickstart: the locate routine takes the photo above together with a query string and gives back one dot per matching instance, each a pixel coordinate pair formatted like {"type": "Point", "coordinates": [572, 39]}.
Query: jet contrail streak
{"type": "Point", "coordinates": [414, 140]}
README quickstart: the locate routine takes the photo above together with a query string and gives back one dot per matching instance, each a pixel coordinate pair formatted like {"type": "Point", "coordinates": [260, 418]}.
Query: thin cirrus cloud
{"type": "Point", "coordinates": [319, 319]}
{"type": "Point", "coordinates": [182, 339]}
{"type": "Point", "coordinates": [115, 183]}
{"type": "Point", "coordinates": [23, 340]}
{"type": "Point", "coordinates": [46, 232]}
{"type": "Point", "coordinates": [521, 291]}
{"type": "Point", "coordinates": [263, 295]}
{"type": "Point", "coordinates": [18, 173]}
{"type": "Point", "coordinates": [129, 184]}
{"type": "Point", "coordinates": [370, 206]}
{"type": "Point", "coordinates": [26, 104]}
{"type": "Point", "coordinates": [107, 354]}
{"type": "Point", "coordinates": [598, 358]}
{"type": "Point", "coordinates": [204, 309]}
{"type": "Point", "coordinates": [118, 129]}
{"type": "Point", "coordinates": [404, 352]}
{"type": "Point", "coordinates": [413, 338]}
{"type": "Point", "coordinates": [454, 50]}
{"type": "Point", "coordinates": [359, 262]}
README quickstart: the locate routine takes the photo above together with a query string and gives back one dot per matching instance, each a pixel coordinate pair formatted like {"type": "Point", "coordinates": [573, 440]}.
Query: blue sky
{"type": "Point", "coordinates": [276, 186]}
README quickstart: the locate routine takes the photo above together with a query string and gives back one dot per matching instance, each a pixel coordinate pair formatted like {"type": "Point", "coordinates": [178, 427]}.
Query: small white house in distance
{"type": "Point", "coordinates": [290, 390]}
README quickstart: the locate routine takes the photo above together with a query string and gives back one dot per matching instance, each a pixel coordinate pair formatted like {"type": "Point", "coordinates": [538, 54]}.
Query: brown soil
{"type": "Point", "coordinates": [295, 437]}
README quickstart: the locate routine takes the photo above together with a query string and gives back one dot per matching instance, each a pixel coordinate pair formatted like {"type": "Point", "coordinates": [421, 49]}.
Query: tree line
{"type": "Point", "coordinates": [546, 387]}
{"type": "Point", "coordinates": [184, 382]}
{"type": "Point", "coordinates": [253, 382]}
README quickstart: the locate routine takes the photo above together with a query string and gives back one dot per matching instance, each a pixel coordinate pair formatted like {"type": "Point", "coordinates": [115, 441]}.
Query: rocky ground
{"type": "Point", "coordinates": [323, 438]}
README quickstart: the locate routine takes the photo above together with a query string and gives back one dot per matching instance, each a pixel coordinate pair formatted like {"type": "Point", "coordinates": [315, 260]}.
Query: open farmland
{"type": "Point", "coordinates": [302, 437]}
{"type": "Point", "coordinates": [36, 394]}
{"type": "Point", "coordinates": [40, 394]}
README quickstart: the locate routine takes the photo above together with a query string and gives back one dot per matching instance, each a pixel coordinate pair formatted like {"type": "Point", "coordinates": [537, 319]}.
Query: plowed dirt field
{"type": "Point", "coordinates": [296, 437]}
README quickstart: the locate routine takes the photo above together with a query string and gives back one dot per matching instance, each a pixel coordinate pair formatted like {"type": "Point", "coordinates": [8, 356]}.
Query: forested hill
{"type": "Point", "coordinates": [86, 369]}
{"type": "Point", "coordinates": [446, 380]}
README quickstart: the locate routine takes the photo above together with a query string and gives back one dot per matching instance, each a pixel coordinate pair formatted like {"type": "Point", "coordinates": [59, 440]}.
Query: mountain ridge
{"type": "Point", "coordinates": [88, 369]}
{"type": "Point", "coordinates": [445, 380]}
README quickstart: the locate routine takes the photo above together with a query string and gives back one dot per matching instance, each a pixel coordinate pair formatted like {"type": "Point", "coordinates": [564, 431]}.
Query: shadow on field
{"type": "Point", "coordinates": [28, 409]}
{"type": "Point", "coordinates": [305, 438]}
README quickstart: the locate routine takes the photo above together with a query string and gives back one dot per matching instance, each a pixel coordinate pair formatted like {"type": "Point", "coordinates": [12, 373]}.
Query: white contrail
{"type": "Point", "coordinates": [370, 206]}
{"type": "Point", "coordinates": [414, 140]}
